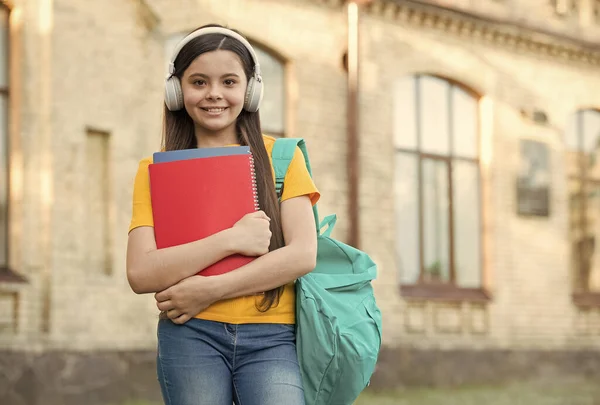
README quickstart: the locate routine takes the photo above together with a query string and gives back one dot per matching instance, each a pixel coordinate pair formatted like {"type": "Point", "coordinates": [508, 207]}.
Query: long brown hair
{"type": "Point", "coordinates": [178, 133]}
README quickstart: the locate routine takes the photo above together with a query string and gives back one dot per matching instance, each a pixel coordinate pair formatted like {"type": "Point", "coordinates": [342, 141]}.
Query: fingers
{"type": "Point", "coordinates": [163, 295]}
{"type": "Point", "coordinates": [165, 305]}
{"type": "Point", "coordinates": [180, 320]}
{"type": "Point", "coordinates": [174, 314]}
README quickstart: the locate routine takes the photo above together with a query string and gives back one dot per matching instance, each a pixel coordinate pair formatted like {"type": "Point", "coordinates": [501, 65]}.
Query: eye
{"type": "Point", "coordinates": [199, 82]}
{"type": "Point", "coordinates": [229, 82]}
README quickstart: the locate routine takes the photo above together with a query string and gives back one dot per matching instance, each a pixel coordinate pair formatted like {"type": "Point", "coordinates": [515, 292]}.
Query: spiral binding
{"type": "Point", "coordinates": [254, 186]}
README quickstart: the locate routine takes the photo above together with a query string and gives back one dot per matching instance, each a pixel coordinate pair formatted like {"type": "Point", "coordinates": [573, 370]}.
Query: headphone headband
{"type": "Point", "coordinates": [214, 30]}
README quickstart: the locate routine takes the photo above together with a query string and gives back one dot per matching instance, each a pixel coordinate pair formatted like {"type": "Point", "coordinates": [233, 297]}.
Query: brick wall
{"type": "Point", "coordinates": [527, 262]}
{"type": "Point", "coordinates": [99, 66]}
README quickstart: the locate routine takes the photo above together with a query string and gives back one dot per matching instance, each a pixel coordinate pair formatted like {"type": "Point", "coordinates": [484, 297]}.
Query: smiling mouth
{"type": "Point", "coordinates": [215, 109]}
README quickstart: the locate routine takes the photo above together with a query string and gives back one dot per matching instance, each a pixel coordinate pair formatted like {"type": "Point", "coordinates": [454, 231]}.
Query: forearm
{"type": "Point", "coordinates": [267, 272]}
{"type": "Point", "coordinates": [159, 269]}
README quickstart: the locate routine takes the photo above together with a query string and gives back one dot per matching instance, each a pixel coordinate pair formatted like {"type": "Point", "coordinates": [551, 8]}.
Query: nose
{"type": "Point", "coordinates": [214, 93]}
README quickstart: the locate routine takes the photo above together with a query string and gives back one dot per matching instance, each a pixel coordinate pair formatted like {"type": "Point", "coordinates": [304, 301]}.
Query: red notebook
{"type": "Point", "coordinates": [196, 198]}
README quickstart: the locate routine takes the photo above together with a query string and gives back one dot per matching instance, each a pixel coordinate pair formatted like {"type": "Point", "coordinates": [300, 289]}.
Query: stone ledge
{"type": "Point", "coordinates": [75, 378]}
{"type": "Point", "coordinates": [444, 293]}
{"type": "Point", "coordinates": [587, 299]}
{"type": "Point", "coordinates": [507, 34]}
{"type": "Point", "coordinates": [406, 367]}
{"type": "Point", "coordinates": [8, 275]}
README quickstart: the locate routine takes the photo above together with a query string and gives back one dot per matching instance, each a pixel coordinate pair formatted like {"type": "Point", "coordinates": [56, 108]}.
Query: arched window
{"type": "Point", "coordinates": [583, 167]}
{"type": "Point", "coordinates": [4, 95]}
{"type": "Point", "coordinates": [272, 109]}
{"type": "Point", "coordinates": [437, 183]}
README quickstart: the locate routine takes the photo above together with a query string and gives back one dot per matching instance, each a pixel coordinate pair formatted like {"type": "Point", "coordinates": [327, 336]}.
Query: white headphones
{"type": "Point", "coordinates": [173, 92]}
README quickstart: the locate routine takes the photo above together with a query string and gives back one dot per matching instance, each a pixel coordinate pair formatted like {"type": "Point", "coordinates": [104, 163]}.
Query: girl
{"type": "Point", "coordinates": [226, 338]}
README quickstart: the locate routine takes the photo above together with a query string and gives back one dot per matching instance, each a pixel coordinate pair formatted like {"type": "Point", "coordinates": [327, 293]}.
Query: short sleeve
{"type": "Point", "coordinates": [298, 181]}
{"type": "Point", "coordinates": [142, 204]}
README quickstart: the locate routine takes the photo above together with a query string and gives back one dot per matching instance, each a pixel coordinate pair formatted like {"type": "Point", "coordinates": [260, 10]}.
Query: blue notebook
{"type": "Point", "coordinates": [185, 154]}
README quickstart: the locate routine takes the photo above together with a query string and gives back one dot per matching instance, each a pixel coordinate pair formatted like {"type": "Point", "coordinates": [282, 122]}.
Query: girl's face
{"type": "Point", "coordinates": [214, 87]}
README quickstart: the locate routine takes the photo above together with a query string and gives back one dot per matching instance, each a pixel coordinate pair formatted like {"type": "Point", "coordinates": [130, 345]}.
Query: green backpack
{"type": "Point", "coordinates": [338, 323]}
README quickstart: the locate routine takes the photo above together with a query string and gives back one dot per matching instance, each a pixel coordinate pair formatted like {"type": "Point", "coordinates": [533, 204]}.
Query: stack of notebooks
{"type": "Point", "coordinates": [198, 192]}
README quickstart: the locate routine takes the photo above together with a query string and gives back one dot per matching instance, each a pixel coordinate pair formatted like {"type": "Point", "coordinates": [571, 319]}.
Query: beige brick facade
{"type": "Point", "coordinates": [86, 98]}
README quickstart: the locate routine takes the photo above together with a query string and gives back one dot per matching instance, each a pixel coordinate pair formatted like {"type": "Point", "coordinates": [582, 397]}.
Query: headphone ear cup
{"type": "Point", "coordinates": [254, 95]}
{"type": "Point", "coordinates": [173, 94]}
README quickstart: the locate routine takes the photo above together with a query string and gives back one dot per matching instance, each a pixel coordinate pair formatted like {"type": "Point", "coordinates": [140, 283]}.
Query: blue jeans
{"type": "Point", "coordinates": [213, 363]}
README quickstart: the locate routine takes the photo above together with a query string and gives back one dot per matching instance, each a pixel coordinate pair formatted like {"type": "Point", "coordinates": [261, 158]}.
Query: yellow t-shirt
{"type": "Point", "coordinates": [243, 309]}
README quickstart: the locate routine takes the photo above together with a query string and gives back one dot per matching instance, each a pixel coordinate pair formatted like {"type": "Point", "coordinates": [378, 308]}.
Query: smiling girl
{"type": "Point", "coordinates": [226, 338]}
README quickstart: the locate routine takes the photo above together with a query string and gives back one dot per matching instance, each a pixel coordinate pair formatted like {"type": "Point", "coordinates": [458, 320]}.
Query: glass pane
{"type": "Point", "coordinates": [592, 164]}
{"type": "Point", "coordinates": [405, 115]}
{"type": "Point", "coordinates": [464, 124]}
{"type": "Point", "coordinates": [590, 127]}
{"type": "Point", "coordinates": [571, 133]}
{"type": "Point", "coordinates": [590, 255]}
{"type": "Point", "coordinates": [272, 108]}
{"type": "Point", "coordinates": [3, 178]}
{"type": "Point", "coordinates": [533, 179]}
{"type": "Point", "coordinates": [3, 47]}
{"type": "Point", "coordinates": [435, 220]}
{"type": "Point", "coordinates": [467, 224]}
{"type": "Point", "coordinates": [575, 209]}
{"type": "Point", "coordinates": [583, 205]}
{"type": "Point", "coordinates": [433, 115]}
{"type": "Point", "coordinates": [574, 162]}
{"type": "Point", "coordinates": [407, 217]}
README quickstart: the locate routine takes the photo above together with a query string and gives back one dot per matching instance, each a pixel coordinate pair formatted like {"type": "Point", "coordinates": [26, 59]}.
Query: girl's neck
{"type": "Point", "coordinates": [209, 139]}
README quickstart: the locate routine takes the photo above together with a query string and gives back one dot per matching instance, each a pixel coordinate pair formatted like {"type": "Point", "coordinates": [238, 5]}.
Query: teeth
{"type": "Point", "coordinates": [215, 109]}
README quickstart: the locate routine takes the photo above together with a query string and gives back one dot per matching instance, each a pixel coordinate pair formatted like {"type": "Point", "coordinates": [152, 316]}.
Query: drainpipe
{"type": "Point", "coordinates": [352, 163]}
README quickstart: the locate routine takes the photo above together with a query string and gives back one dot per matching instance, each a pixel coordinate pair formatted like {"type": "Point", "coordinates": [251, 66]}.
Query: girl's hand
{"type": "Point", "coordinates": [252, 234]}
{"type": "Point", "coordinates": [186, 299]}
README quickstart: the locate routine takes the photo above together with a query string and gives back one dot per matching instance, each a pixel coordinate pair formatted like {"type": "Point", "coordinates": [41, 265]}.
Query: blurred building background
{"type": "Point", "coordinates": [478, 178]}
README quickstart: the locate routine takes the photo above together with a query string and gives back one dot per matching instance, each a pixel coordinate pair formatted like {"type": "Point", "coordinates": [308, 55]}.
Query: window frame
{"type": "Point", "coordinates": [10, 280]}
{"type": "Point", "coordinates": [445, 290]}
{"type": "Point", "coordinates": [284, 66]}
{"type": "Point", "coordinates": [6, 273]}
{"type": "Point", "coordinates": [581, 295]}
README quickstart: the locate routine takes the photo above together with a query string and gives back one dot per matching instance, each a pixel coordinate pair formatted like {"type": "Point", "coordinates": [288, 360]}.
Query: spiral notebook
{"type": "Point", "coordinates": [169, 156]}
{"type": "Point", "coordinates": [198, 197]}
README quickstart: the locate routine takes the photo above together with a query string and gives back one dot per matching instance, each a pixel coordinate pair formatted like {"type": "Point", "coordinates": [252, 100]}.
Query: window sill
{"type": "Point", "coordinates": [587, 299]}
{"type": "Point", "coordinates": [443, 292]}
{"type": "Point", "coordinates": [10, 276]}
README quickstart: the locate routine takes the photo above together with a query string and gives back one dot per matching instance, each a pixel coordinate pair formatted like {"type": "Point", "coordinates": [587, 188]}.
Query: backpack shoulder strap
{"type": "Point", "coordinates": [281, 156]}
